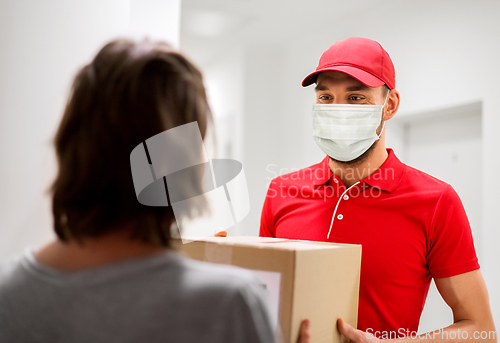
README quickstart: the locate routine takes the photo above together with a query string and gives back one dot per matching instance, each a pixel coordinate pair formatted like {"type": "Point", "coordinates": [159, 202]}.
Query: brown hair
{"type": "Point", "coordinates": [128, 93]}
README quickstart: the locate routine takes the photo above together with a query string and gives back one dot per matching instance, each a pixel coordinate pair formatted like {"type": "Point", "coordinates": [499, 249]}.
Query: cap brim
{"type": "Point", "coordinates": [360, 75]}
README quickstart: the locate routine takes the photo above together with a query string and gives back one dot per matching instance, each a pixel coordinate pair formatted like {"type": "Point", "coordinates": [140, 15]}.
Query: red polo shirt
{"type": "Point", "coordinates": [412, 227]}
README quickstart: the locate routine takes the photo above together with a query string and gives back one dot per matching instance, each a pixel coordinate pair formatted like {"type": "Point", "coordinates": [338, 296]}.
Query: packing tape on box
{"type": "Point", "coordinates": [218, 253]}
{"type": "Point", "coordinates": [172, 169]}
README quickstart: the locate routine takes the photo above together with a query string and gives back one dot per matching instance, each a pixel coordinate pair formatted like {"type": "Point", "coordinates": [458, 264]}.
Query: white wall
{"type": "Point", "coordinates": [445, 143]}
{"type": "Point", "coordinates": [43, 43]}
{"type": "Point", "coordinates": [445, 52]}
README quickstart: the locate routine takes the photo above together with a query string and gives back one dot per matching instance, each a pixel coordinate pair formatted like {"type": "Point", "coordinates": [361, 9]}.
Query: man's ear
{"type": "Point", "coordinates": [392, 104]}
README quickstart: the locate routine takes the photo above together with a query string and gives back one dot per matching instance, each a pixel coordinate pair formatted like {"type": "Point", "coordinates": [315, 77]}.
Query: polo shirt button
{"type": "Point", "coordinates": [346, 197]}
{"type": "Point", "coordinates": [335, 180]}
{"type": "Point", "coordinates": [339, 217]}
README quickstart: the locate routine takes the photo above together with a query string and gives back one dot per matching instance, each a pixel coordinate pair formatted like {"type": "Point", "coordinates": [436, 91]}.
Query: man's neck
{"type": "Point", "coordinates": [352, 173]}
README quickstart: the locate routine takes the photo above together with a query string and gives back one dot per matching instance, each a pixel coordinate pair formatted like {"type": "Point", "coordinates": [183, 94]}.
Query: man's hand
{"type": "Point", "coordinates": [220, 232]}
{"type": "Point", "coordinates": [305, 332]}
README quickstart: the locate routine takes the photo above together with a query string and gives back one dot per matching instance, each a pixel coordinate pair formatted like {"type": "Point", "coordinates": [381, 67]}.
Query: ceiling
{"type": "Point", "coordinates": [211, 26]}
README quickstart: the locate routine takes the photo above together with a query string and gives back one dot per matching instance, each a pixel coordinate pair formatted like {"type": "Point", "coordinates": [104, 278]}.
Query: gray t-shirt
{"type": "Point", "coordinates": [161, 298]}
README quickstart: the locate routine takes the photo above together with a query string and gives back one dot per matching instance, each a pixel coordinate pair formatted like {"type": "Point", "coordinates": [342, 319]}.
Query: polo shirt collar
{"type": "Point", "coordinates": [386, 178]}
{"type": "Point", "coordinates": [322, 173]}
{"type": "Point", "coordinates": [389, 175]}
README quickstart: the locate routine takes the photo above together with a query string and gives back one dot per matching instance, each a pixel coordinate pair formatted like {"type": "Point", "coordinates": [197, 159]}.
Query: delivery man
{"type": "Point", "coordinates": [412, 226]}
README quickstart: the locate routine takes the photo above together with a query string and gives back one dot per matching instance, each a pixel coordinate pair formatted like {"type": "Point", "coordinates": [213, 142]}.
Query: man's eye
{"type": "Point", "coordinates": [355, 98]}
{"type": "Point", "coordinates": [324, 97]}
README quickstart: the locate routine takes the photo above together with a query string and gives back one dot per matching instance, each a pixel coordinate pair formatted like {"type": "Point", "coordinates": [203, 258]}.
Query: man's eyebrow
{"type": "Point", "coordinates": [356, 88]}
{"type": "Point", "coordinates": [321, 87]}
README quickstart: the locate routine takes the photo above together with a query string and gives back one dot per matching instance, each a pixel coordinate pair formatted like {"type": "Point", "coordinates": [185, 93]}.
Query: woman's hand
{"type": "Point", "coordinates": [353, 335]}
{"type": "Point", "coordinates": [305, 332]}
{"type": "Point", "coordinates": [220, 232]}
{"type": "Point", "coordinates": [349, 334]}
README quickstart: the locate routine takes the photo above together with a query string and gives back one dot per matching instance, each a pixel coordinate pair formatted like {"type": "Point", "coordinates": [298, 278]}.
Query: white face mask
{"type": "Point", "coordinates": [344, 131]}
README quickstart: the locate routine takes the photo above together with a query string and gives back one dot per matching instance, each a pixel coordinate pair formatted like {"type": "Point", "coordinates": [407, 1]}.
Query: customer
{"type": "Point", "coordinates": [111, 274]}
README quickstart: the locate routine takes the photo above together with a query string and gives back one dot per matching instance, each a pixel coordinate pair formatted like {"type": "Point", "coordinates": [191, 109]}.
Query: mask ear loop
{"type": "Point", "coordinates": [383, 106]}
{"type": "Point", "coordinates": [383, 126]}
{"type": "Point", "coordinates": [386, 97]}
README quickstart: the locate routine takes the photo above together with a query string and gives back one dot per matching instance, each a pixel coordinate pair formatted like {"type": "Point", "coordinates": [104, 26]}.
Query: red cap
{"type": "Point", "coordinates": [362, 58]}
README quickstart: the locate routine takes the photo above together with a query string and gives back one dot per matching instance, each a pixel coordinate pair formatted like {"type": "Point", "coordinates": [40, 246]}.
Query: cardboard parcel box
{"type": "Point", "coordinates": [306, 279]}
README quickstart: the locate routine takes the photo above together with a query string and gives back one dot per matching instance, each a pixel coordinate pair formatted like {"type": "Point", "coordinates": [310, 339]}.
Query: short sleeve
{"type": "Point", "coordinates": [266, 219]}
{"type": "Point", "coordinates": [451, 247]}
